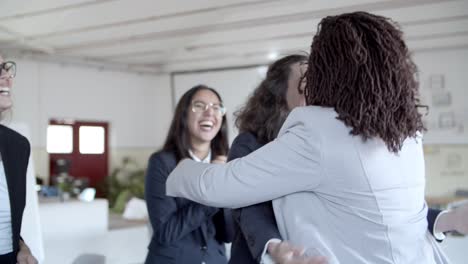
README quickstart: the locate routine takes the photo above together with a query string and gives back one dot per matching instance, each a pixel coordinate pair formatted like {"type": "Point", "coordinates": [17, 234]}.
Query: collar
{"type": "Point", "coordinates": [195, 158]}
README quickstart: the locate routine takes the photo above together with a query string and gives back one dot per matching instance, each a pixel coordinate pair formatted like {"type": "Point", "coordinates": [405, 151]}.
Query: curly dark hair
{"type": "Point", "coordinates": [267, 108]}
{"type": "Point", "coordinates": [360, 66]}
{"type": "Point", "coordinates": [178, 137]}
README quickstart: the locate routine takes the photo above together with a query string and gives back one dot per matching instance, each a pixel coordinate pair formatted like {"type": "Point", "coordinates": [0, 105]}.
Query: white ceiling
{"type": "Point", "coordinates": [159, 36]}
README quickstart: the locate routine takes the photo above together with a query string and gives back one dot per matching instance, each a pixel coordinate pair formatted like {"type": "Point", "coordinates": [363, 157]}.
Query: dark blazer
{"type": "Point", "coordinates": [183, 231]}
{"type": "Point", "coordinates": [15, 150]}
{"type": "Point", "coordinates": [256, 224]}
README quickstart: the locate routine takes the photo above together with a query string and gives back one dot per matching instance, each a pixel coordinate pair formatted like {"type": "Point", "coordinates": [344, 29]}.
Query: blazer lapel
{"type": "Point", "coordinates": [204, 232]}
{"type": "Point", "coordinates": [8, 167]}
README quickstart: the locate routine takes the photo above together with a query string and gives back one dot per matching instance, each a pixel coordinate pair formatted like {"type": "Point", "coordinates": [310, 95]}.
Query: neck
{"type": "Point", "coordinates": [201, 150]}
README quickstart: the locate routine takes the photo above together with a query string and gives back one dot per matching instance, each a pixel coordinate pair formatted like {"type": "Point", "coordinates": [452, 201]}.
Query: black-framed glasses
{"type": "Point", "coordinates": [8, 67]}
{"type": "Point", "coordinates": [200, 107]}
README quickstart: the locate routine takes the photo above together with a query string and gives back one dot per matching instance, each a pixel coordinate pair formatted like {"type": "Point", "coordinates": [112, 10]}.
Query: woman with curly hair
{"type": "Point", "coordinates": [257, 237]}
{"type": "Point", "coordinates": [346, 173]}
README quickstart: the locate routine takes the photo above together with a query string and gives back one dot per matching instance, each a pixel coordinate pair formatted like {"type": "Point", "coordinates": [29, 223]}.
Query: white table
{"type": "Point", "coordinates": [73, 218]}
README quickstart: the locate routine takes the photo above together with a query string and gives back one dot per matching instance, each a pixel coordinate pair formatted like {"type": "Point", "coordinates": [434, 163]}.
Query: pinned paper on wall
{"type": "Point", "coordinates": [436, 81]}
{"type": "Point", "coordinates": [447, 116]}
{"type": "Point", "coordinates": [442, 99]}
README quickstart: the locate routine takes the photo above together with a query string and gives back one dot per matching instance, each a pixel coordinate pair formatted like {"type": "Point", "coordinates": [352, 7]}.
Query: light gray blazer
{"type": "Point", "coordinates": [350, 200]}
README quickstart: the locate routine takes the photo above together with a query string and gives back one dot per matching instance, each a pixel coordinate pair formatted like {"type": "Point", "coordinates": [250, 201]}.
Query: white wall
{"type": "Point", "coordinates": [138, 107]}
{"type": "Point", "coordinates": [130, 102]}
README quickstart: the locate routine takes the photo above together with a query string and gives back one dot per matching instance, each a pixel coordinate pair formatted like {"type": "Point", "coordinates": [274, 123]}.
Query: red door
{"type": "Point", "coordinates": [88, 156]}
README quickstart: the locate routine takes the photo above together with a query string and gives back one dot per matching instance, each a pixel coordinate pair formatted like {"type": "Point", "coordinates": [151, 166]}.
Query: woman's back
{"type": "Point", "coordinates": [369, 205]}
{"type": "Point", "coordinates": [340, 197]}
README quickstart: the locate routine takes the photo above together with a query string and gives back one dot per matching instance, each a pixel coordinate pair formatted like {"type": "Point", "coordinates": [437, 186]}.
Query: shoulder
{"type": "Point", "coordinates": [311, 120]}
{"type": "Point", "coordinates": [165, 159]}
{"type": "Point", "coordinates": [19, 140]}
{"type": "Point", "coordinates": [245, 138]}
{"type": "Point", "coordinates": [312, 114]}
{"type": "Point", "coordinates": [307, 128]}
{"type": "Point", "coordinates": [242, 145]}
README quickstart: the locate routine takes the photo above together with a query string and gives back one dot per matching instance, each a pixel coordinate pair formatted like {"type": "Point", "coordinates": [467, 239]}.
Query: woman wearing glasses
{"type": "Point", "coordinates": [14, 150]}
{"type": "Point", "coordinates": [185, 231]}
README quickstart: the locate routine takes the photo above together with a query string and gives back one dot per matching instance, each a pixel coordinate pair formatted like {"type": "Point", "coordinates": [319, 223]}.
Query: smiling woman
{"type": "Point", "coordinates": [197, 124]}
{"type": "Point", "coordinates": [7, 73]}
{"type": "Point", "coordinates": [14, 150]}
{"type": "Point", "coordinates": [205, 118]}
{"type": "Point", "coordinates": [185, 231]}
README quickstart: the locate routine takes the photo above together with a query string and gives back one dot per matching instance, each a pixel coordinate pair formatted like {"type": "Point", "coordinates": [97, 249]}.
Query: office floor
{"type": "Point", "coordinates": [128, 246]}
{"type": "Point", "coordinates": [119, 246]}
{"type": "Point", "coordinates": [456, 249]}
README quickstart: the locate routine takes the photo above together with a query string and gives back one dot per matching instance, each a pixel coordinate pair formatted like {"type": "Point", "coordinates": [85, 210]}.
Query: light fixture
{"type": "Point", "coordinates": [262, 70]}
{"type": "Point", "coordinates": [273, 55]}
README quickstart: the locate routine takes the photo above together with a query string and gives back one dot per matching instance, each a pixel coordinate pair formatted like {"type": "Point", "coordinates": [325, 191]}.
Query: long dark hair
{"type": "Point", "coordinates": [267, 108]}
{"type": "Point", "coordinates": [360, 66]}
{"type": "Point", "coordinates": [178, 137]}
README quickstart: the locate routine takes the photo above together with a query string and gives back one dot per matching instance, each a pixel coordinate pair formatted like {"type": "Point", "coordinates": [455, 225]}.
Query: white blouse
{"type": "Point", "coordinates": [6, 240]}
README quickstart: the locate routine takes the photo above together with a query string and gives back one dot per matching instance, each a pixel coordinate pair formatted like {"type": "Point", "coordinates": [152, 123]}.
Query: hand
{"type": "Point", "coordinates": [285, 253]}
{"type": "Point", "coordinates": [307, 260]}
{"type": "Point", "coordinates": [455, 219]}
{"type": "Point", "coordinates": [221, 159]}
{"type": "Point", "coordinates": [24, 255]}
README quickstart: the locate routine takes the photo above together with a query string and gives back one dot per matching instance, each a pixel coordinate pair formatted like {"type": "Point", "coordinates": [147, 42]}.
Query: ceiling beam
{"type": "Point", "coordinates": [48, 11]}
{"type": "Point", "coordinates": [208, 46]}
{"type": "Point", "coordinates": [18, 41]}
{"type": "Point", "coordinates": [248, 23]}
{"type": "Point", "coordinates": [84, 62]}
{"type": "Point", "coordinates": [150, 19]}
{"type": "Point", "coordinates": [301, 50]}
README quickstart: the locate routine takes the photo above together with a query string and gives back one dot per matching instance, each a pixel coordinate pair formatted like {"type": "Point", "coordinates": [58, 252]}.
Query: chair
{"type": "Point", "coordinates": [90, 259]}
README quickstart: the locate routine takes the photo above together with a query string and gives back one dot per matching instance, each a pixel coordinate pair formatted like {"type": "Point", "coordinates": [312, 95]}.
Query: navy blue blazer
{"type": "Point", "coordinates": [15, 150]}
{"type": "Point", "coordinates": [256, 224]}
{"type": "Point", "coordinates": [183, 231]}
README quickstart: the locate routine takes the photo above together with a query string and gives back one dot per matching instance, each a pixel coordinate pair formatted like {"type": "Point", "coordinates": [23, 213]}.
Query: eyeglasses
{"type": "Point", "coordinates": [200, 107]}
{"type": "Point", "coordinates": [8, 67]}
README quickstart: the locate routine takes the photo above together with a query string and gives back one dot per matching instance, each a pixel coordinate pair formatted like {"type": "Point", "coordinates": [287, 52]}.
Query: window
{"type": "Point", "coordinates": [59, 139]}
{"type": "Point", "coordinates": [91, 140]}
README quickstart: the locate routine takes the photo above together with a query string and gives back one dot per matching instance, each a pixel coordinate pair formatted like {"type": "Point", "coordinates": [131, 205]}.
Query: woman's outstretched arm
{"type": "Point", "coordinates": [291, 163]}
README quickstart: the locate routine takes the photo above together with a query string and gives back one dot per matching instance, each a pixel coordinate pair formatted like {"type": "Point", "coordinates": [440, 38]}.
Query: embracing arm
{"type": "Point", "coordinates": [258, 226]}
{"type": "Point", "coordinates": [257, 223]}
{"type": "Point", "coordinates": [454, 219]}
{"type": "Point", "coordinates": [287, 165]}
{"type": "Point", "coordinates": [432, 216]}
{"type": "Point", "coordinates": [224, 225]}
